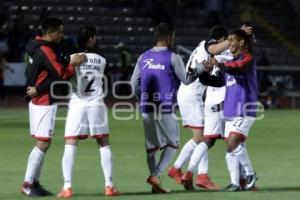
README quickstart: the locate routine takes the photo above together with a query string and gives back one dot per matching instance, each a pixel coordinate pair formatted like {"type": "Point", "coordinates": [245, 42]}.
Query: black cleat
{"type": "Point", "coordinates": [250, 181]}
{"type": "Point", "coordinates": [231, 188]}
{"type": "Point", "coordinates": [30, 191]}
{"type": "Point", "coordinates": [41, 189]}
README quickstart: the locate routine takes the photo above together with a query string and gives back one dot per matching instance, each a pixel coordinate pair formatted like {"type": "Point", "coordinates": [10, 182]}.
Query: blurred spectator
{"type": "Point", "coordinates": [275, 95]}
{"type": "Point", "coordinates": [213, 9]}
{"type": "Point", "coordinates": [19, 34]}
{"type": "Point", "coordinates": [246, 13]}
{"type": "Point", "coordinates": [263, 59]}
{"type": "Point", "coordinates": [3, 67]}
{"type": "Point", "coordinates": [125, 66]}
{"type": "Point", "coordinates": [44, 14]}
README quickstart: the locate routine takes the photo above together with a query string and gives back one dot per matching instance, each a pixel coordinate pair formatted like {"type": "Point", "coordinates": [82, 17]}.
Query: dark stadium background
{"type": "Point", "coordinates": [125, 29]}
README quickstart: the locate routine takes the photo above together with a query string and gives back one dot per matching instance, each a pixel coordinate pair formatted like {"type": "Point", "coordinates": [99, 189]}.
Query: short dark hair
{"type": "Point", "coordinates": [217, 32]}
{"type": "Point", "coordinates": [84, 34]}
{"type": "Point", "coordinates": [51, 24]}
{"type": "Point", "coordinates": [242, 35]}
{"type": "Point", "coordinates": [162, 31]}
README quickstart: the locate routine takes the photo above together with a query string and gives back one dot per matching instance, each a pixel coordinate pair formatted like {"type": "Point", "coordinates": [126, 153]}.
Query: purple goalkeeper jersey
{"type": "Point", "coordinates": [159, 82]}
{"type": "Point", "coordinates": [241, 86]}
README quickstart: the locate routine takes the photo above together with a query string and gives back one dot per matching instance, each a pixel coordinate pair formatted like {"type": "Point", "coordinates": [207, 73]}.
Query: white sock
{"type": "Point", "coordinates": [233, 168]}
{"type": "Point", "coordinates": [203, 165]}
{"type": "Point", "coordinates": [165, 159]}
{"type": "Point", "coordinates": [197, 155]}
{"type": "Point", "coordinates": [106, 163]}
{"type": "Point", "coordinates": [39, 170]}
{"type": "Point", "coordinates": [242, 156]}
{"type": "Point", "coordinates": [34, 162]}
{"type": "Point", "coordinates": [185, 153]}
{"type": "Point", "coordinates": [67, 164]}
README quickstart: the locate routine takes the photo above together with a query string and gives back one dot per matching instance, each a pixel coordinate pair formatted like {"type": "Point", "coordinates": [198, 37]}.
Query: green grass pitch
{"type": "Point", "coordinates": [273, 146]}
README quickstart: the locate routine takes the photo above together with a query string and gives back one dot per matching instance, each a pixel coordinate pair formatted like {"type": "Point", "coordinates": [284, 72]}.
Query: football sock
{"type": "Point", "coordinates": [39, 170]}
{"type": "Point", "coordinates": [68, 163]}
{"type": "Point", "coordinates": [34, 162]}
{"type": "Point", "coordinates": [233, 168]}
{"type": "Point", "coordinates": [203, 165]}
{"type": "Point", "coordinates": [106, 163]}
{"type": "Point", "coordinates": [242, 156]}
{"type": "Point", "coordinates": [165, 159]}
{"type": "Point", "coordinates": [185, 153]}
{"type": "Point", "coordinates": [197, 155]}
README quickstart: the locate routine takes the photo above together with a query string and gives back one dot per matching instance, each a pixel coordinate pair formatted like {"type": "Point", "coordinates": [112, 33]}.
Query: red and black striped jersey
{"type": "Point", "coordinates": [43, 68]}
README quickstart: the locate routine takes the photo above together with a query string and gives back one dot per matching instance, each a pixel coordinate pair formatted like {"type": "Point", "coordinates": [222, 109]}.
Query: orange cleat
{"type": "Point", "coordinates": [67, 193]}
{"type": "Point", "coordinates": [203, 181]}
{"type": "Point", "coordinates": [111, 191]}
{"type": "Point", "coordinates": [157, 186]}
{"type": "Point", "coordinates": [187, 180]}
{"type": "Point", "coordinates": [175, 174]}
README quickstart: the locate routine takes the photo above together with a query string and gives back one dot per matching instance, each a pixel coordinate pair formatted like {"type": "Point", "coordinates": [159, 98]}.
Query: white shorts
{"type": "Point", "coordinates": [42, 121]}
{"type": "Point", "coordinates": [83, 119]}
{"type": "Point", "coordinates": [160, 131]}
{"type": "Point", "coordinates": [191, 109]}
{"type": "Point", "coordinates": [213, 123]}
{"type": "Point", "coordinates": [239, 126]}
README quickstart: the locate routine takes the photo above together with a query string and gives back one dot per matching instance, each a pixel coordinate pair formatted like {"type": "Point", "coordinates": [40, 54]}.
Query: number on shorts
{"type": "Point", "coordinates": [238, 122]}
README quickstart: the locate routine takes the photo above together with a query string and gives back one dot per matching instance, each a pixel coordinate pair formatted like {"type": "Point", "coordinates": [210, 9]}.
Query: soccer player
{"type": "Point", "coordinates": [239, 107]}
{"type": "Point", "coordinates": [155, 79]}
{"type": "Point", "coordinates": [87, 113]}
{"type": "Point", "coordinates": [43, 66]}
{"type": "Point", "coordinates": [192, 113]}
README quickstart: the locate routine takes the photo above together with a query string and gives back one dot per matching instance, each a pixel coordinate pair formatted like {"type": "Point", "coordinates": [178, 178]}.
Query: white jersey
{"type": "Point", "coordinates": [215, 95]}
{"type": "Point", "coordinates": [198, 56]}
{"type": "Point", "coordinates": [87, 82]}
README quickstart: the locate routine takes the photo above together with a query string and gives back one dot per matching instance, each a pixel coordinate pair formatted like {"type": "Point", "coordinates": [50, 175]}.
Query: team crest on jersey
{"type": "Point", "coordinates": [151, 65]}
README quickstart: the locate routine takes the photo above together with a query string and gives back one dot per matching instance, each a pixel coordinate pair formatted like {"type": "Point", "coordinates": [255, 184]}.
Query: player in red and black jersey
{"type": "Point", "coordinates": [43, 69]}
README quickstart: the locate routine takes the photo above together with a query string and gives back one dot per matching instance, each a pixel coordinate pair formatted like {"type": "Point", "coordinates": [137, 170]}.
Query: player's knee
{"type": "Point", "coordinates": [197, 138]}
{"type": "Point", "coordinates": [102, 142]}
{"type": "Point", "coordinates": [232, 145]}
{"type": "Point", "coordinates": [43, 145]}
{"type": "Point", "coordinates": [210, 142]}
{"type": "Point", "coordinates": [73, 142]}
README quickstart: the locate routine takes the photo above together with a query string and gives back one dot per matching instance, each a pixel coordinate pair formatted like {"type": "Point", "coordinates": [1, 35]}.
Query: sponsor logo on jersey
{"type": "Point", "coordinates": [230, 81]}
{"type": "Point", "coordinates": [151, 65]}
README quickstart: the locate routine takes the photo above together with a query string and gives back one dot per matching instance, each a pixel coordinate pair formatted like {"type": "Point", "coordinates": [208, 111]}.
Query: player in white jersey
{"type": "Point", "coordinates": [87, 114]}
{"type": "Point", "coordinates": [214, 122]}
{"type": "Point", "coordinates": [192, 111]}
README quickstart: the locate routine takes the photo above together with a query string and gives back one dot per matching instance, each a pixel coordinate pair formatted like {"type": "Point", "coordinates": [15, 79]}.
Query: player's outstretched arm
{"type": "Point", "coordinates": [135, 81]}
{"type": "Point", "coordinates": [180, 71]}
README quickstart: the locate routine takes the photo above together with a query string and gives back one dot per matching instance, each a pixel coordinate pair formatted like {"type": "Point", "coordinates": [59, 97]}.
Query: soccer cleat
{"type": "Point", "coordinates": [157, 186]}
{"type": "Point", "coordinates": [231, 188]}
{"type": "Point", "coordinates": [111, 191]}
{"type": "Point", "coordinates": [175, 174]}
{"type": "Point", "coordinates": [41, 189]}
{"type": "Point", "coordinates": [67, 193]}
{"type": "Point", "coordinates": [187, 180]}
{"type": "Point", "coordinates": [29, 190]}
{"type": "Point", "coordinates": [203, 181]}
{"type": "Point", "coordinates": [154, 190]}
{"type": "Point", "coordinates": [250, 181]}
